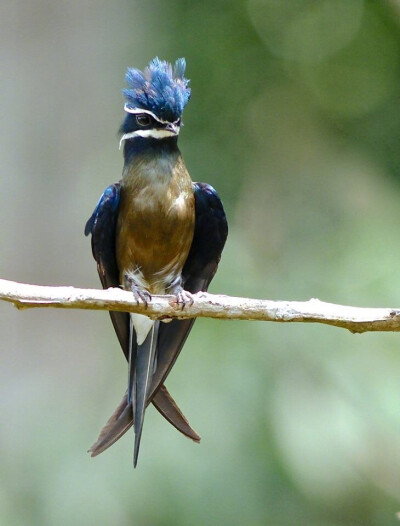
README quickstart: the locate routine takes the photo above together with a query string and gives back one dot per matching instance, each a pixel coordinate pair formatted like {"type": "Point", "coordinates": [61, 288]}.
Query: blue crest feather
{"type": "Point", "coordinates": [161, 89]}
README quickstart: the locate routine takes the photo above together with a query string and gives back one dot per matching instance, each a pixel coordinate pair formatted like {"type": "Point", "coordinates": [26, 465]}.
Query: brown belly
{"type": "Point", "coordinates": [154, 232]}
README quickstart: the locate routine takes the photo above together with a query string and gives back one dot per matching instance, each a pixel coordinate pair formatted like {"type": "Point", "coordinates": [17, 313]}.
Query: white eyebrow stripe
{"type": "Point", "coordinates": [136, 111]}
{"type": "Point", "coordinates": [154, 134]}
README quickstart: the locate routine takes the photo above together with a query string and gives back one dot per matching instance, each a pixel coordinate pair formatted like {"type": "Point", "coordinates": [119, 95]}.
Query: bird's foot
{"type": "Point", "coordinates": [140, 295]}
{"type": "Point", "coordinates": [183, 297]}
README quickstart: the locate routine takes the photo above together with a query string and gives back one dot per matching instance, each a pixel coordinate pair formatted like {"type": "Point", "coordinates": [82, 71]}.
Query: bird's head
{"type": "Point", "coordinates": [155, 99]}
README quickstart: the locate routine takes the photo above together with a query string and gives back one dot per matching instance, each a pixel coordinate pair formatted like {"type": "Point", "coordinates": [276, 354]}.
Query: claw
{"type": "Point", "coordinates": [141, 296]}
{"type": "Point", "coordinates": [183, 297]}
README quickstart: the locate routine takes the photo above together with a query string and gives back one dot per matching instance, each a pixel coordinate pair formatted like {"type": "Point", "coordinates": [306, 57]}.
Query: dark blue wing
{"type": "Point", "coordinates": [102, 225]}
{"type": "Point", "coordinates": [211, 231]}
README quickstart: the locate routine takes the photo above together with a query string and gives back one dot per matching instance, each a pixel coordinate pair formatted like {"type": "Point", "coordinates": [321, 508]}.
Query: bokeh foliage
{"type": "Point", "coordinates": [295, 119]}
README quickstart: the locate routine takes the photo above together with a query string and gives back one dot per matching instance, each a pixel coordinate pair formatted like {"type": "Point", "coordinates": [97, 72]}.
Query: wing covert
{"type": "Point", "coordinates": [102, 225]}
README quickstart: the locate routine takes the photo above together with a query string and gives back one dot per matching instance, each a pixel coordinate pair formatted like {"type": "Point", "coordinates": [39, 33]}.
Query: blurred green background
{"type": "Point", "coordinates": [295, 119]}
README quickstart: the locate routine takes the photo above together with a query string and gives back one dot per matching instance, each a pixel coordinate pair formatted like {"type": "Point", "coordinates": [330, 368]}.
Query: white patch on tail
{"type": "Point", "coordinates": [142, 325]}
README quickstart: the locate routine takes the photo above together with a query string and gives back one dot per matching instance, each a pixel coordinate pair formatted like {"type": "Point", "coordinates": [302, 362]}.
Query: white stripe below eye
{"type": "Point", "coordinates": [153, 134]}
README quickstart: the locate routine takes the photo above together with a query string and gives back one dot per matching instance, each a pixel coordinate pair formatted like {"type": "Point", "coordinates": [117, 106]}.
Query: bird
{"type": "Point", "coordinates": [154, 232]}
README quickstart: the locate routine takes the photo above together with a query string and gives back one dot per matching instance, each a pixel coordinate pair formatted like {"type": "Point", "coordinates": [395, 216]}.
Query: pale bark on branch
{"type": "Point", "coordinates": [355, 319]}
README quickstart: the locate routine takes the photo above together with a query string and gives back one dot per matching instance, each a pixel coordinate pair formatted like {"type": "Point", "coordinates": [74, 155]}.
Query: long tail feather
{"type": "Point", "coordinates": [165, 404]}
{"type": "Point", "coordinates": [144, 369]}
{"type": "Point", "coordinates": [122, 419]}
{"type": "Point", "coordinates": [117, 425]}
{"type": "Point", "coordinates": [131, 362]}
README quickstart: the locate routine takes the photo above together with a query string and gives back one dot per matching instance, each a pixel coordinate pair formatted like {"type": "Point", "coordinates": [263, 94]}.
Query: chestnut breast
{"type": "Point", "coordinates": [155, 221]}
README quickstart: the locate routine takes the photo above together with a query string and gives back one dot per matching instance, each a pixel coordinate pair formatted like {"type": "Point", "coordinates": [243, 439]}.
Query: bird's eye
{"type": "Point", "coordinates": [143, 120]}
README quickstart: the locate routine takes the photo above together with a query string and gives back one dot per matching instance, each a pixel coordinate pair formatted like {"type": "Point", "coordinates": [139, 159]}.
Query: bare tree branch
{"type": "Point", "coordinates": [355, 319]}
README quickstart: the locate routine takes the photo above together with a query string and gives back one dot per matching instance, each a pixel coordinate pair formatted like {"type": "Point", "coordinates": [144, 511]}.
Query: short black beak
{"type": "Point", "coordinates": [172, 127]}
